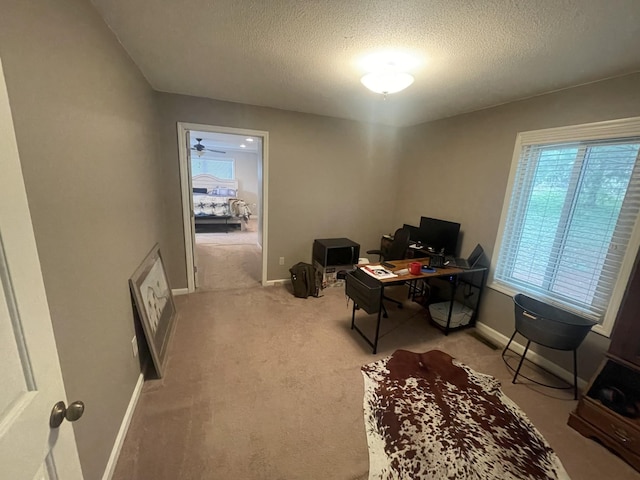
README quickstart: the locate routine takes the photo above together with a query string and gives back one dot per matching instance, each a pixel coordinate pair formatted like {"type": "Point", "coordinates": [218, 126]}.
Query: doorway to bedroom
{"type": "Point", "coordinates": [223, 192]}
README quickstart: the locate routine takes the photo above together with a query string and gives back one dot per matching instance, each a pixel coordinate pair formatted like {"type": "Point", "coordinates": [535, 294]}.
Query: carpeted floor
{"type": "Point", "coordinates": [229, 260]}
{"type": "Point", "coordinates": [262, 385]}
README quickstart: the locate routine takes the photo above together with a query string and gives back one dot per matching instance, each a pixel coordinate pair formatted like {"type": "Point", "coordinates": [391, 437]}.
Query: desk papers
{"type": "Point", "coordinates": [378, 271]}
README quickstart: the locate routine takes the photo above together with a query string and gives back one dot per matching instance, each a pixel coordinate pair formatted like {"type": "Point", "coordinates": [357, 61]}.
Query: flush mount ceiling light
{"type": "Point", "coordinates": [388, 70]}
{"type": "Point", "coordinates": [387, 81]}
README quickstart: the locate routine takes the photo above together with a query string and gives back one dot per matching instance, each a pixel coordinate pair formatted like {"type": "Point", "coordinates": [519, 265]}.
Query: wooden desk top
{"type": "Point", "coordinates": [439, 272]}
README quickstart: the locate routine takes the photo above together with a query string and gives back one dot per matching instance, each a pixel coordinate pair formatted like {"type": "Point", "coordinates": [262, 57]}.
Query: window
{"type": "Point", "coordinates": [569, 227]}
{"type": "Point", "coordinates": [219, 167]}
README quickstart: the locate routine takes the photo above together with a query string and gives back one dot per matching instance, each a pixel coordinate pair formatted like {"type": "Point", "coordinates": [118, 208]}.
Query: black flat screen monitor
{"type": "Point", "coordinates": [439, 234]}
{"type": "Point", "coordinates": [414, 233]}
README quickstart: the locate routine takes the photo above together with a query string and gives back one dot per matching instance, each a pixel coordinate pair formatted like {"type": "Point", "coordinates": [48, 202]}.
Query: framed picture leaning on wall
{"type": "Point", "coordinates": [154, 303]}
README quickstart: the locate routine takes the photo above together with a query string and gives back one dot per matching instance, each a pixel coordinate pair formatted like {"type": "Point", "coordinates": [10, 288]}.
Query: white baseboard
{"type": "Point", "coordinates": [124, 427]}
{"type": "Point", "coordinates": [180, 291]}
{"type": "Point", "coordinates": [273, 283]}
{"type": "Point", "coordinates": [501, 340]}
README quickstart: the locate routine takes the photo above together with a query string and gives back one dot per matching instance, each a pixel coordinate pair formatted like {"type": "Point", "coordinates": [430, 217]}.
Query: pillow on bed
{"type": "Point", "coordinates": [223, 192]}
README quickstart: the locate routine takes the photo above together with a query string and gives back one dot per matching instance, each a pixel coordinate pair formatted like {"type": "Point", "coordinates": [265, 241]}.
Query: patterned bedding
{"type": "Point", "coordinates": [211, 206]}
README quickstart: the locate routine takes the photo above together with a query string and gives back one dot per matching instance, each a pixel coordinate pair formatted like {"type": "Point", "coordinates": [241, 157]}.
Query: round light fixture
{"type": "Point", "coordinates": [387, 81]}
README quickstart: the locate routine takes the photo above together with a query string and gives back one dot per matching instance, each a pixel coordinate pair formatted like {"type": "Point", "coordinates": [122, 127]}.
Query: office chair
{"type": "Point", "coordinates": [396, 251]}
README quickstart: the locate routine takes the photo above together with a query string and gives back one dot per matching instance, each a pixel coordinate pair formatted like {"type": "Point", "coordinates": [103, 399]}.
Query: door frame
{"type": "Point", "coordinates": [187, 198]}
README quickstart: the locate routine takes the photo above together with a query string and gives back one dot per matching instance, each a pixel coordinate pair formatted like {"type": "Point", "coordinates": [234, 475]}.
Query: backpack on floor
{"type": "Point", "coordinates": [304, 280]}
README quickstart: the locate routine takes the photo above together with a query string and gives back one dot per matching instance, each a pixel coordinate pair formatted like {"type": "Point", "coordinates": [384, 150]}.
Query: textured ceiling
{"type": "Point", "coordinates": [305, 55]}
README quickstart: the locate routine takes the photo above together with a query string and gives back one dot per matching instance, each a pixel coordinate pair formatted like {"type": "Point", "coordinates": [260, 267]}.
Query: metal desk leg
{"type": "Point", "coordinates": [575, 373]}
{"type": "Point", "coordinates": [413, 289]}
{"type": "Point", "coordinates": [353, 316]}
{"type": "Point", "coordinates": [480, 289]}
{"type": "Point", "coordinates": [375, 342]}
{"type": "Point", "coordinates": [454, 285]}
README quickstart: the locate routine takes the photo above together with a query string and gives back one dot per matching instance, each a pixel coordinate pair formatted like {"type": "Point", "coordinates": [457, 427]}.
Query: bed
{"type": "Point", "coordinates": [216, 202]}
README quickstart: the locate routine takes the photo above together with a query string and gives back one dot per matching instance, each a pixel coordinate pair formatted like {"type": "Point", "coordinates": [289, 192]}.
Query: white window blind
{"type": "Point", "coordinates": [570, 219]}
{"type": "Point", "coordinates": [219, 167]}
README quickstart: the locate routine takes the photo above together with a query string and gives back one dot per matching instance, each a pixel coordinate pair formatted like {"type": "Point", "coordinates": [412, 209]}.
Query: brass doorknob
{"type": "Point", "coordinates": [59, 412]}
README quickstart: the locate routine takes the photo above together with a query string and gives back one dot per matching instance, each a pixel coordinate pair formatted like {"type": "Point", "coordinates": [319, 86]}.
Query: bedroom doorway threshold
{"type": "Point", "coordinates": [203, 248]}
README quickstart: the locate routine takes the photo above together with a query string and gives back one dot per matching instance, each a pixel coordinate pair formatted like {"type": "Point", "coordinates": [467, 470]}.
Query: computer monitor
{"type": "Point", "coordinates": [439, 234]}
{"type": "Point", "coordinates": [414, 232]}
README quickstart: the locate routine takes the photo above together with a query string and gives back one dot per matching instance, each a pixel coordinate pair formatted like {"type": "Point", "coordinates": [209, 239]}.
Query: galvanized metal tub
{"type": "Point", "coordinates": [548, 325]}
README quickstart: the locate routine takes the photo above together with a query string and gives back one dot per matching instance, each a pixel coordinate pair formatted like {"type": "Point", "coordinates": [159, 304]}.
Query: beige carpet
{"type": "Point", "coordinates": [262, 385]}
{"type": "Point", "coordinates": [228, 260]}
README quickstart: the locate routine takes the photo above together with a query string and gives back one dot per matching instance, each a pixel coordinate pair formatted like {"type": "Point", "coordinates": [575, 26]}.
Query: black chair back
{"type": "Point", "coordinates": [399, 245]}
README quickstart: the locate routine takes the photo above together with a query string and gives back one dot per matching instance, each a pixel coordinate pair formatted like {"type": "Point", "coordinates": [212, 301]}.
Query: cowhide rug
{"type": "Point", "coordinates": [429, 416]}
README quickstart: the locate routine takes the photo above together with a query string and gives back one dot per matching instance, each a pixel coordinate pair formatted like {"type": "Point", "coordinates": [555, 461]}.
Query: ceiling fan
{"type": "Point", "coordinates": [198, 147]}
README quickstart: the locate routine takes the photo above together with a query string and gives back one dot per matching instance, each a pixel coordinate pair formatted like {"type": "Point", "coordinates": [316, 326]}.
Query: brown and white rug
{"type": "Point", "coordinates": [428, 416]}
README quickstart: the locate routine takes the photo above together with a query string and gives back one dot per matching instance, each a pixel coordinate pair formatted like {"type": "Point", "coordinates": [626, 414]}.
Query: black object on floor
{"type": "Point", "coordinates": [551, 327]}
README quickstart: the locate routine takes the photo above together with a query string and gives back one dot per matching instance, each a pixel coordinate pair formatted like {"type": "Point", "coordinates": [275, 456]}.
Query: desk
{"type": "Point", "coordinates": [367, 292]}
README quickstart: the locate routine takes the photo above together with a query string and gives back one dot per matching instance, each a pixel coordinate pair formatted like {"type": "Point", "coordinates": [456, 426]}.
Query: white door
{"type": "Point", "coordinates": [30, 376]}
{"type": "Point", "coordinates": [194, 256]}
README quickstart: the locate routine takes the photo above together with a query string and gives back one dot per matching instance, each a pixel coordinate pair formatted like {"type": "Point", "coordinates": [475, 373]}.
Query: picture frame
{"type": "Point", "coordinates": [153, 301]}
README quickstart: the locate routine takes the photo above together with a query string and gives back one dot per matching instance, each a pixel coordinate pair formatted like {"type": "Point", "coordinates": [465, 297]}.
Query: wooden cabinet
{"type": "Point", "coordinates": [625, 341]}
{"type": "Point", "coordinates": [609, 411]}
{"type": "Point", "coordinates": [601, 415]}
{"type": "Point", "coordinates": [612, 426]}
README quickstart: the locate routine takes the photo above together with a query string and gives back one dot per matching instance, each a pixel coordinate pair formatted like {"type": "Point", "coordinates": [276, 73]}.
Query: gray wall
{"type": "Point", "coordinates": [327, 177]}
{"type": "Point", "coordinates": [247, 175]}
{"type": "Point", "coordinates": [479, 147]}
{"type": "Point", "coordinates": [84, 121]}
